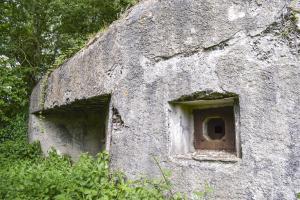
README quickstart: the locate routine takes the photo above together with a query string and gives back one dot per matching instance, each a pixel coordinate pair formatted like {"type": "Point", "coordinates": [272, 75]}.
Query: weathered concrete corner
{"type": "Point", "coordinates": [121, 94]}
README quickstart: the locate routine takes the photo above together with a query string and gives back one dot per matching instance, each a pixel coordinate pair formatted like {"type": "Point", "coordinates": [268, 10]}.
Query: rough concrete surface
{"type": "Point", "coordinates": [162, 50]}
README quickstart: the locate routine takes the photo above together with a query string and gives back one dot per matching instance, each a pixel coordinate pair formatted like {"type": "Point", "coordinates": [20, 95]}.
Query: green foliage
{"type": "Point", "coordinates": [13, 94]}
{"type": "Point", "coordinates": [56, 177]}
{"type": "Point", "coordinates": [206, 193]}
{"type": "Point", "coordinates": [37, 35]}
{"type": "Point", "coordinates": [13, 142]}
{"type": "Point", "coordinates": [26, 174]}
{"type": "Point", "coordinates": [15, 130]}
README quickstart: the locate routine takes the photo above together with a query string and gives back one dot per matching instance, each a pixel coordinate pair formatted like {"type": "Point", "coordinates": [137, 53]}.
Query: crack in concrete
{"type": "Point", "coordinates": [218, 46]}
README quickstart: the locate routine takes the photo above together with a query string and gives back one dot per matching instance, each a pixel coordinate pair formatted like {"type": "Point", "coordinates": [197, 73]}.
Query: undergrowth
{"type": "Point", "coordinates": [26, 174]}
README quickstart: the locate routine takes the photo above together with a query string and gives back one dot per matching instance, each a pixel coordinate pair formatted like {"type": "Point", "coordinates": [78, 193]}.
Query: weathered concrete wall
{"type": "Point", "coordinates": [74, 133]}
{"type": "Point", "coordinates": [162, 50]}
{"type": "Point", "coordinates": [74, 128]}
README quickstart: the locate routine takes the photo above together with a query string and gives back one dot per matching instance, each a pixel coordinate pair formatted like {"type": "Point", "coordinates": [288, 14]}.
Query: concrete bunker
{"type": "Point", "coordinates": [162, 50]}
{"type": "Point", "coordinates": [76, 128]}
{"type": "Point", "coordinates": [205, 126]}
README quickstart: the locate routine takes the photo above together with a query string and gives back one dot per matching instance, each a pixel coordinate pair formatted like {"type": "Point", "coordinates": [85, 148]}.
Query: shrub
{"type": "Point", "coordinates": [56, 177]}
{"type": "Point", "coordinates": [26, 174]}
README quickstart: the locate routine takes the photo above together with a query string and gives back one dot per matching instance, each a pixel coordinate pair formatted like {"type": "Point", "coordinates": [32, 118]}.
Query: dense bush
{"type": "Point", "coordinates": [26, 174]}
{"type": "Point", "coordinates": [13, 94]}
{"type": "Point", "coordinates": [56, 177]}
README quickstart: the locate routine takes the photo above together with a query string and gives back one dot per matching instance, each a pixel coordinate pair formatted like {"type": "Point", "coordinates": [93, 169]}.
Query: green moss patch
{"type": "Point", "coordinates": [205, 95]}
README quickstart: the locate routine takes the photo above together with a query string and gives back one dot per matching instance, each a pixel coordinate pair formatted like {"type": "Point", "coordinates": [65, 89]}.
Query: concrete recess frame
{"type": "Point", "coordinates": [181, 127]}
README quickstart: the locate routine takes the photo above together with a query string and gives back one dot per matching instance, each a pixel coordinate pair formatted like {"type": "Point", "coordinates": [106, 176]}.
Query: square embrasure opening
{"type": "Point", "coordinates": [205, 126]}
{"type": "Point", "coordinates": [75, 128]}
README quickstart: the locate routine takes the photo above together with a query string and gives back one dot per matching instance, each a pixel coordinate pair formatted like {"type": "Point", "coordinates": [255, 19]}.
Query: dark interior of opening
{"type": "Point", "coordinates": [216, 128]}
{"type": "Point", "coordinates": [78, 127]}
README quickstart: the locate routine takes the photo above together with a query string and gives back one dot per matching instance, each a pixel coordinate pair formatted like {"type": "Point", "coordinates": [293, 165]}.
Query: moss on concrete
{"type": "Point", "coordinates": [205, 95]}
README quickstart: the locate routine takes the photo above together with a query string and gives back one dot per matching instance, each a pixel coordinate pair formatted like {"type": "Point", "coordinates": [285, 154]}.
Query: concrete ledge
{"type": "Point", "coordinates": [209, 156]}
